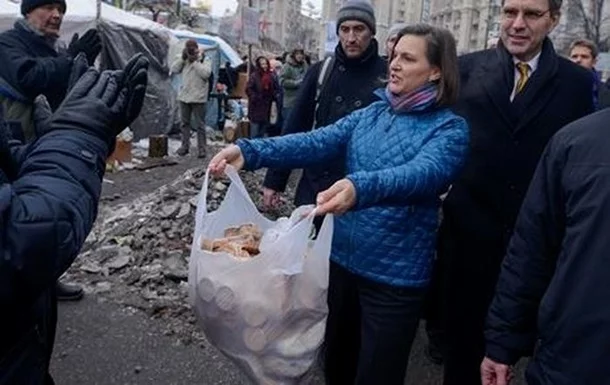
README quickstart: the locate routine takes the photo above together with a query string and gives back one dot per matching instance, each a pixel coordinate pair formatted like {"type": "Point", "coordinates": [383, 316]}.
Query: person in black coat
{"type": "Point", "coordinates": [357, 71]}
{"type": "Point", "coordinates": [34, 64]}
{"type": "Point", "coordinates": [49, 192]}
{"type": "Point", "coordinates": [512, 116]}
{"type": "Point", "coordinates": [584, 52]}
{"type": "Point", "coordinates": [552, 294]}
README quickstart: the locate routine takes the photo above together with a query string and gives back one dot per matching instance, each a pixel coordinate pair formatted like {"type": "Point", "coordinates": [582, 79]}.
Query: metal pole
{"type": "Point", "coordinates": [249, 47]}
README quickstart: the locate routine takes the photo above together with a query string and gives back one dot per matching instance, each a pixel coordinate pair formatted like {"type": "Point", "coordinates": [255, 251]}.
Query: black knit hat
{"type": "Point", "coordinates": [28, 6]}
{"type": "Point", "coordinates": [360, 10]}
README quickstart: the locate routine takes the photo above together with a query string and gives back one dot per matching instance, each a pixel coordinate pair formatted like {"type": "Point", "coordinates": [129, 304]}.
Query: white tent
{"type": "Point", "coordinates": [124, 34]}
{"type": "Point", "coordinates": [227, 52]}
{"type": "Point", "coordinates": [80, 15]}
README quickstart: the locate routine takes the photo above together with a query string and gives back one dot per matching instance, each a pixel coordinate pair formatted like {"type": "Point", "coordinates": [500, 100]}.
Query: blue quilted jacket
{"type": "Point", "coordinates": [399, 165]}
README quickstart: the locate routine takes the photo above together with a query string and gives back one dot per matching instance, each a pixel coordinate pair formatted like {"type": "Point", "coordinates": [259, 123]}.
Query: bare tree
{"type": "Point", "coordinates": [589, 19]}
{"type": "Point", "coordinates": [154, 6]}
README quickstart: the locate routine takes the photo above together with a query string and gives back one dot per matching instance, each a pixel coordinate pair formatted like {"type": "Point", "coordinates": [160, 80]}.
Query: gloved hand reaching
{"type": "Point", "coordinates": [42, 109]}
{"type": "Point", "coordinates": [90, 44]}
{"type": "Point", "coordinates": [103, 104]}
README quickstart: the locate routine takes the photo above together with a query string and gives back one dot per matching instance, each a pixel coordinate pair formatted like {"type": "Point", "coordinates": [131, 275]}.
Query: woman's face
{"type": "Point", "coordinates": [264, 64]}
{"type": "Point", "coordinates": [410, 67]}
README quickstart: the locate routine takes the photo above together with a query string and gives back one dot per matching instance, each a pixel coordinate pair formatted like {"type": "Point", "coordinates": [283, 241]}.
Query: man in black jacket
{"type": "Point", "coordinates": [552, 294]}
{"type": "Point", "coordinates": [33, 64]}
{"type": "Point", "coordinates": [49, 192]}
{"type": "Point", "coordinates": [352, 74]}
{"type": "Point", "coordinates": [515, 98]}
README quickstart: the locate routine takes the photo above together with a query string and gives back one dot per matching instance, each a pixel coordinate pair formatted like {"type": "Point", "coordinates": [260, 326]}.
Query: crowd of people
{"type": "Point", "coordinates": [505, 143]}
{"type": "Point", "coordinates": [523, 208]}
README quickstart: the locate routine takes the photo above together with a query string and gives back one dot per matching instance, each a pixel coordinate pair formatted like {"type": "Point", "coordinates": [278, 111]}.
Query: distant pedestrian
{"type": "Point", "coordinates": [263, 90]}
{"type": "Point", "coordinates": [584, 53]}
{"type": "Point", "coordinates": [196, 71]}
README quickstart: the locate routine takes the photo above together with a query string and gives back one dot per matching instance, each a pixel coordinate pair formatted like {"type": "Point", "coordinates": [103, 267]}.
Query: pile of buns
{"type": "Point", "coordinates": [240, 241]}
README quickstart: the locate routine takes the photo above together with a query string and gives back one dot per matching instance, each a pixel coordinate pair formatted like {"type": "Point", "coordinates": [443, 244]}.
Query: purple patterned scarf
{"type": "Point", "coordinates": [417, 100]}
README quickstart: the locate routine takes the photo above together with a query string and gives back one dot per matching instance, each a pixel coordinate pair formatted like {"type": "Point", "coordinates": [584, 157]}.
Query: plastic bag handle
{"type": "Point", "coordinates": [231, 173]}
{"type": "Point", "coordinates": [202, 204]}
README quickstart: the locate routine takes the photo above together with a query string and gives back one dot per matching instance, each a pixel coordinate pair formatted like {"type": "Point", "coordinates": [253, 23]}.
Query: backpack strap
{"type": "Point", "coordinates": [325, 71]}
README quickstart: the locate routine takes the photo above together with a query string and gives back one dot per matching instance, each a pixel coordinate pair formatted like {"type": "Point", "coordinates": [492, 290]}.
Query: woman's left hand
{"type": "Point", "coordinates": [339, 198]}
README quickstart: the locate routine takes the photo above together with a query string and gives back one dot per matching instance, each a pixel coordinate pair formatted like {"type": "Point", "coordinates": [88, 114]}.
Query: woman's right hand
{"type": "Point", "coordinates": [230, 155]}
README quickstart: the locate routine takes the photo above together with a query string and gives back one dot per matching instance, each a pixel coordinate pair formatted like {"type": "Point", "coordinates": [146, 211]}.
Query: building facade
{"type": "Point", "coordinates": [283, 22]}
{"type": "Point", "coordinates": [473, 22]}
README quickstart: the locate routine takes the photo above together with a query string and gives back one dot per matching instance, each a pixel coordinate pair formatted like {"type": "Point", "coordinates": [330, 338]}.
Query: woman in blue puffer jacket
{"type": "Point", "coordinates": [401, 154]}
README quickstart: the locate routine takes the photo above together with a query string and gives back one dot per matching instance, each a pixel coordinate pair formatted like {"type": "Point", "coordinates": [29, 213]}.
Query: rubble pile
{"type": "Point", "coordinates": [137, 253]}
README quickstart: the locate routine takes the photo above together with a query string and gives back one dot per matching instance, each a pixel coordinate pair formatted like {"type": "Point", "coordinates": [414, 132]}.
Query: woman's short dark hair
{"type": "Point", "coordinates": [441, 52]}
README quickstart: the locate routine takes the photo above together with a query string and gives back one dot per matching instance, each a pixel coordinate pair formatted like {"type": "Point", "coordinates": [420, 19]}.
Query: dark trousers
{"type": "Point", "coordinates": [192, 113]}
{"type": "Point", "coordinates": [259, 129]}
{"type": "Point", "coordinates": [463, 356]}
{"type": "Point", "coordinates": [369, 331]}
{"type": "Point", "coordinates": [433, 312]}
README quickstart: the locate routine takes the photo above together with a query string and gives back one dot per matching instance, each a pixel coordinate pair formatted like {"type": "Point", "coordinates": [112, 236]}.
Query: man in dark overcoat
{"type": "Point", "coordinates": [515, 97]}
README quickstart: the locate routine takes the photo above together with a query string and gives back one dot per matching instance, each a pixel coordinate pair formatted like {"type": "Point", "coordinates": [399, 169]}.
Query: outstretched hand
{"type": "Point", "coordinates": [42, 110]}
{"type": "Point", "coordinates": [135, 81]}
{"type": "Point", "coordinates": [90, 44]}
{"type": "Point", "coordinates": [338, 199]}
{"type": "Point", "coordinates": [230, 155]}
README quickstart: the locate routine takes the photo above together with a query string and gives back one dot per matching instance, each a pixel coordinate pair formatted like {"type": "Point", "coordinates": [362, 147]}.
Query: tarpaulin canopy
{"type": "Point", "coordinates": [123, 34]}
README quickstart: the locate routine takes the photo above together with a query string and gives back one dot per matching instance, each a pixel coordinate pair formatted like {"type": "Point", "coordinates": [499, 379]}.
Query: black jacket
{"type": "Point", "coordinates": [349, 86]}
{"type": "Point", "coordinates": [32, 66]}
{"type": "Point", "coordinates": [507, 140]}
{"type": "Point", "coordinates": [553, 290]}
{"type": "Point", "coordinates": [49, 192]}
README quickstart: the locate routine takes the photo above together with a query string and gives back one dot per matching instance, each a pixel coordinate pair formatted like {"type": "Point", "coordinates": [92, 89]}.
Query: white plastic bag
{"type": "Point", "coordinates": [268, 313]}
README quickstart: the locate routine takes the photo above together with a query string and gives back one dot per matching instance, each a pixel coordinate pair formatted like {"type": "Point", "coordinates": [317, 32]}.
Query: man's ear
{"type": "Point", "coordinates": [555, 17]}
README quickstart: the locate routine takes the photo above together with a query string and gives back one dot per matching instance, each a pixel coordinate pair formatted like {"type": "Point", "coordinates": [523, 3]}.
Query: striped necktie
{"type": "Point", "coordinates": [524, 70]}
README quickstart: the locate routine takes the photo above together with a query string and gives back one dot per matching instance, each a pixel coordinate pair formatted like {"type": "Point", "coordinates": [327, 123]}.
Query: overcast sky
{"type": "Point", "coordinates": [219, 6]}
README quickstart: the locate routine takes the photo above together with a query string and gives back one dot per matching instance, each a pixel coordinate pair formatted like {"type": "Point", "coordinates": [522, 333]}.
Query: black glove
{"type": "Point", "coordinates": [42, 109]}
{"type": "Point", "coordinates": [104, 104]}
{"type": "Point", "coordinates": [135, 80]}
{"type": "Point", "coordinates": [185, 54]}
{"type": "Point", "coordinates": [90, 44]}
{"type": "Point", "coordinates": [95, 105]}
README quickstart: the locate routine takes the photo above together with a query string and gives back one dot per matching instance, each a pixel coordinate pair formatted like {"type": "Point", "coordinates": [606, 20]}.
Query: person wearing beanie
{"type": "Point", "coordinates": [360, 10]}
{"type": "Point", "coordinates": [330, 90]}
{"type": "Point", "coordinates": [28, 6]}
{"type": "Point", "coordinates": [33, 65]}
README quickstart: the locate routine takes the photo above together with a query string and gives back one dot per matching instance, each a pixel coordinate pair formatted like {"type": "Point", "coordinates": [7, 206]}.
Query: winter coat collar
{"type": "Point", "coordinates": [369, 56]}
{"type": "Point", "coordinates": [24, 26]}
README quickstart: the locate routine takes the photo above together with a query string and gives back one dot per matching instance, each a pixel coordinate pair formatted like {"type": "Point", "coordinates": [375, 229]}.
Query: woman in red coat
{"type": "Point", "coordinates": [263, 89]}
